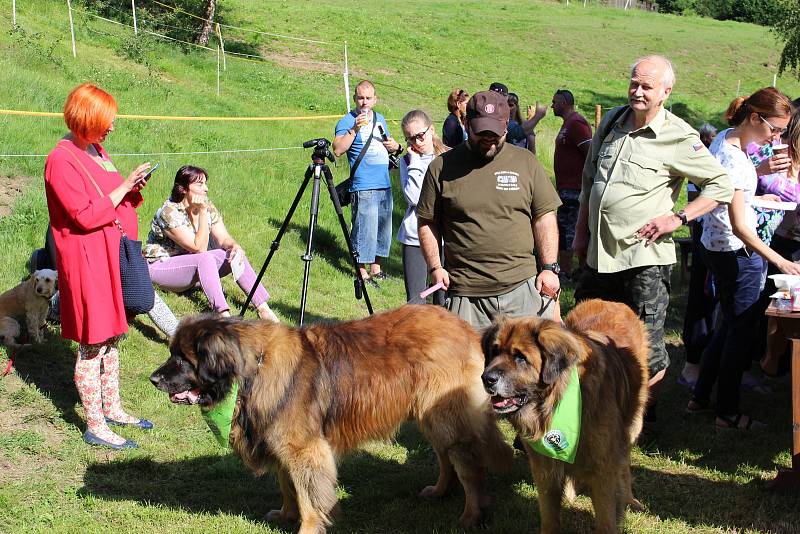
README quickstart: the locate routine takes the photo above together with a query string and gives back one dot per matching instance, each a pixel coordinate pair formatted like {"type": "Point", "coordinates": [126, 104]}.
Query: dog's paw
{"type": "Point", "coordinates": [432, 492]}
{"type": "Point", "coordinates": [281, 516]}
{"type": "Point", "coordinates": [470, 519]}
{"type": "Point", "coordinates": [635, 505]}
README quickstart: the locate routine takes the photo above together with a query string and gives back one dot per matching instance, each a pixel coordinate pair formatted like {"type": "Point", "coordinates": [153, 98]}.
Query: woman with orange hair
{"type": "Point", "coordinates": [89, 204]}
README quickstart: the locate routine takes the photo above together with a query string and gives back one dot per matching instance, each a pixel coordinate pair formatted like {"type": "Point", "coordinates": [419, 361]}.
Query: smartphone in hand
{"type": "Point", "coordinates": [147, 176]}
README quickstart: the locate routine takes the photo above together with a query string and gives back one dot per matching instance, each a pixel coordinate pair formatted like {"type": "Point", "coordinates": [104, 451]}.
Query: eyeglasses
{"type": "Point", "coordinates": [775, 131]}
{"type": "Point", "coordinates": [417, 138]}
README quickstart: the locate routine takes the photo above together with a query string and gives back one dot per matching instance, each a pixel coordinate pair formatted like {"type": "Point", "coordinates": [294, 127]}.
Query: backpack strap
{"type": "Point", "coordinates": [604, 131]}
{"type": "Point", "coordinates": [364, 149]}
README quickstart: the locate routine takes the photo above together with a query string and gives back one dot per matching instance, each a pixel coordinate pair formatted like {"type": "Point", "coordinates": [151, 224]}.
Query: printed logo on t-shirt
{"type": "Point", "coordinates": [507, 181]}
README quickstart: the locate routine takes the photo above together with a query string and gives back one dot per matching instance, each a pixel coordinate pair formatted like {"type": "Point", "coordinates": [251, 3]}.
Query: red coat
{"type": "Point", "coordinates": [87, 242]}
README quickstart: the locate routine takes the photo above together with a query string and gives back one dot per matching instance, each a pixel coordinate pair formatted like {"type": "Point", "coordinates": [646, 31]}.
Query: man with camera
{"type": "Point", "coordinates": [364, 135]}
{"type": "Point", "coordinates": [493, 204]}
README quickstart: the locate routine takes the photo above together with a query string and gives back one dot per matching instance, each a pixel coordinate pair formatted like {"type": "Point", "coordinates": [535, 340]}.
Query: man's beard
{"type": "Point", "coordinates": [492, 152]}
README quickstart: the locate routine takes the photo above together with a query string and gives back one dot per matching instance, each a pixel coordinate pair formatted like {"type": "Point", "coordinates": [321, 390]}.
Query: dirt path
{"type": "Point", "coordinates": [10, 188]}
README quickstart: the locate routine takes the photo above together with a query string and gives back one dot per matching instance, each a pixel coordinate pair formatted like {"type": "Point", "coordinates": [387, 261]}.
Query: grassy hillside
{"type": "Point", "coordinates": [693, 481]}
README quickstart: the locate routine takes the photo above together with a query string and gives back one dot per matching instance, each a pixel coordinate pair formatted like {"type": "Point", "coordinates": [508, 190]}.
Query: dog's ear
{"type": "Point", "coordinates": [559, 350]}
{"type": "Point", "coordinates": [216, 346]}
{"type": "Point", "coordinates": [489, 338]}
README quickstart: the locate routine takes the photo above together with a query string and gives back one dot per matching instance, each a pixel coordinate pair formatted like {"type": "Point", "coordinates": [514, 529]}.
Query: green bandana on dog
{"type": "Point", "coordinates": [561, 440]}
{"type": "Point", "coordinates": [220, 417]}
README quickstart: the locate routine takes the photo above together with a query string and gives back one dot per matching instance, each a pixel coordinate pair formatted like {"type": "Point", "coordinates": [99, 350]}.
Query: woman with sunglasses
{"type": "Point", "coordinates": [736, 256]}
{"type": "Point", "coordinates": [454, 129]}
{"type": "Point", "coordinates": [423, 146]}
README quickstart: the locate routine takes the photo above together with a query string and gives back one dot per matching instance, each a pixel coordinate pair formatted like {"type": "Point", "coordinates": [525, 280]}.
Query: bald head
{"type": "Point", "coordinates": [657, 63]}
{"type": "Point", "coordinates": [651, 83]}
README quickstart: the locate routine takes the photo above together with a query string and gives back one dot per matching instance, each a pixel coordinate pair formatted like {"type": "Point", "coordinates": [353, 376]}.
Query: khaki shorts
{"type": "Point", "coordinates": [522, 301]}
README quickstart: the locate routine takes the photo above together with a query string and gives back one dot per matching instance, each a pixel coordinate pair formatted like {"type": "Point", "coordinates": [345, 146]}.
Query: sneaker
{"type": "Point", "coordinates": [380, 275]}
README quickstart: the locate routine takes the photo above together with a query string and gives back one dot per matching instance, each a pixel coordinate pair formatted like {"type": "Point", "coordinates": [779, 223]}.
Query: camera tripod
{"type": "Point", "coordinates": [315, 170]}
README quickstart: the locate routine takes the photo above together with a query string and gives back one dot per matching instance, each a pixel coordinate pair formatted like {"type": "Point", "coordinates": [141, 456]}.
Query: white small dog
{"type": "Point", "coordinates": [31, 299]}
{"type": "Point", "coordinates": [9, 331]}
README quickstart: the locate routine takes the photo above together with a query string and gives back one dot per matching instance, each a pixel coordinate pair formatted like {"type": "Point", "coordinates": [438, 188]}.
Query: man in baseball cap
{"type": "Point", "coordinates": [499, 88]}
{"type": "Point", "coordinates": [495, 205]}
{"type": "Point", "coordinates": [487, 123]}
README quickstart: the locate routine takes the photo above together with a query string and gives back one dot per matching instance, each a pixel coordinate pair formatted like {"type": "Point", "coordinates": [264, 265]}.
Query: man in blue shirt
{"type": "Point", "coordinates": [372, 191]}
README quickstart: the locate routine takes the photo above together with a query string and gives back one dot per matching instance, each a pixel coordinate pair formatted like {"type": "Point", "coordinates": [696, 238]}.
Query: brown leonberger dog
{"type": "Point", "coordinates": [309, 395]}
{"type": "Point", "coordinates": [528, 365]}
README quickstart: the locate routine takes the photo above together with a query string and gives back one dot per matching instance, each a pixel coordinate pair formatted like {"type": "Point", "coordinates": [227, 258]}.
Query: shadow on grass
{"type": "Point", "coordinates": [693, 438]}
{"type": "Point", "coordinates": [702, 502]}
{"type": "Point", "coordinates": [50, 367]}
{"type": "Point", "coordinates": [326, 244]}
{"type": "Point", "coordinates": [377, 494]}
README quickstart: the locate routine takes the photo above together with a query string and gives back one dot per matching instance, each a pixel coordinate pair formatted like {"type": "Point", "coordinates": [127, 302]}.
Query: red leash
{"type": "Point", "coordinates": [10, 364]}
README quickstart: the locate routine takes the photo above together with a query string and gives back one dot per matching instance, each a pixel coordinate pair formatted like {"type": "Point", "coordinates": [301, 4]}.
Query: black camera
{"type": "Point", "coordinates": [321, 149]}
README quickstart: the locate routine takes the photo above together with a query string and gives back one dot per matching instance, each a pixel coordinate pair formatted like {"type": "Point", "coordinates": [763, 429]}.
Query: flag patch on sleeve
{"type": "Point", "coordinates": [698, 147]}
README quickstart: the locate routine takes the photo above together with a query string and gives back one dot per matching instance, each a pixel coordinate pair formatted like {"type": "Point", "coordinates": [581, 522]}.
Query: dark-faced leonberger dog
{"type": "Point", "coordinates": [528, 365]}
{"type": "Point", "coordinates": [308, 395]}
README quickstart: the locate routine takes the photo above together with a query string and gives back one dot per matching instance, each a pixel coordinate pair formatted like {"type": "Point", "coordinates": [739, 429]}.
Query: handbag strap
{"type": "Point", "coordinates": [363, 150]}
{"type": "Point", "coordinates": [89, 176]}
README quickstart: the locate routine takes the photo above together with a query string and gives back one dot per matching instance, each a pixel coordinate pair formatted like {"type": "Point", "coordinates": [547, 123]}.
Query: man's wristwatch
{"type": "Point", "coordinates": [682, 216]}
{"type": "Point", "coordinates": [555, 267]}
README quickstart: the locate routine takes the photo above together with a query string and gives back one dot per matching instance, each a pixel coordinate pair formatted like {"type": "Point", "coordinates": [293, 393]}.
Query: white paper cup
{"type": "Point", "coordinates": [781, 148]}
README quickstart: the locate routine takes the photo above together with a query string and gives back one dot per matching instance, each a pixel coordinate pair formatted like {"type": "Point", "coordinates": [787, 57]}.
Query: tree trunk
{"type": "Point", "coordinates": [208, 15]}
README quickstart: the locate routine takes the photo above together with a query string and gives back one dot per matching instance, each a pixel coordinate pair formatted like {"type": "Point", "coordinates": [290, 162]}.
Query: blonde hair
{"type": "Point", "coordinates": [421, 116]}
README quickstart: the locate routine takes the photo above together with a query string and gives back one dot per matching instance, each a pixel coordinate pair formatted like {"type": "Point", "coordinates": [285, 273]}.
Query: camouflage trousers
{"type": "Point", "coordinates": [645, 290]}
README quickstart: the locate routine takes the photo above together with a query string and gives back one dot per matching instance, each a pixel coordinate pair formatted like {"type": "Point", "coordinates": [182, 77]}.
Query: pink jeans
{"type": "Point", "coordinates": [180, 273]}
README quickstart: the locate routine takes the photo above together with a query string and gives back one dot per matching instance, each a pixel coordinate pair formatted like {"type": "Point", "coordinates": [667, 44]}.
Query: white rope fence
{"type": "Point", "coordinates": [139, 154]}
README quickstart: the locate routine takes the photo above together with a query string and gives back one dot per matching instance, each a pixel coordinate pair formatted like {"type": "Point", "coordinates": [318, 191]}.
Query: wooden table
{"type": "Point", "coordinates": [783, 325]}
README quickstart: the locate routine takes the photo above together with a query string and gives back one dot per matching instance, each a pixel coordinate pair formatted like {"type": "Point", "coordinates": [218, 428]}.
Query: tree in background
{"type": "Point", "coordinates": [788, 28]}
{"type": "Point", "coordinates": [208, 15]}
{"type": "Point", "coordinates": [763, 12]}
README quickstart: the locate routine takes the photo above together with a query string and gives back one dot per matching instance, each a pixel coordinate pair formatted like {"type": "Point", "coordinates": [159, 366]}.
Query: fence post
{"type": "Point", "coordinates": [774, 80]}
{"type": "Point", "coordinates": [222, 45]}
{"type": "Point", "coordinates": [346, 75]}
{"type": "Point", "coordinates": [133, 10]}
{"type": "Point", "coordinates": [14, 14]}
{"type": "Point", "coordinates": [598, 114]}
{"type": "Point", "coordinates": [218, 54]}
{"type": "Point", "coordinates": [71, 29]}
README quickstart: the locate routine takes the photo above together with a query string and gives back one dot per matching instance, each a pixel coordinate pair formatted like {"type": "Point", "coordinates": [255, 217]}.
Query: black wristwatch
{"type": "Point", "coordinates": [555, 267]}
{"type": "Point", "coordinates": [682, 216]}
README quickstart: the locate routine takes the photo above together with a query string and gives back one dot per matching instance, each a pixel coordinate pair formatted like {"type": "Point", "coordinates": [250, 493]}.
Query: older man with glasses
{"type": "Point", "coordinates": [494, 205]}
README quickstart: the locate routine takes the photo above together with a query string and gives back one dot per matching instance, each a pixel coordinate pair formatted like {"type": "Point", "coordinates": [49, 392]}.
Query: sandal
{"type": "Point", "coordinates": [738, 422]}
{"type": "Point", "coordinates": [380, 275]}
{"type": "Point", "coordinates": [696, 406]}
{"type": "Point", "coordinates": [685, 382]}
{"type": "Point", "coordinates": [749, 381]}
{"type": "Point", "coordinates": [369, 280]}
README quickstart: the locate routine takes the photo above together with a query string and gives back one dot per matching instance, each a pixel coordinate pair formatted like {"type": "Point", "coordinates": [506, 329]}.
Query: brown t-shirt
{"type": "Point", "coordinates": [485, 210]}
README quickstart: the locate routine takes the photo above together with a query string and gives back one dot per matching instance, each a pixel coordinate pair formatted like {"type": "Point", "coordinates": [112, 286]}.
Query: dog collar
{"type": "Point", "coordinates": [220, 418]}
{"type": "Point", "coordinates": [561, 439]}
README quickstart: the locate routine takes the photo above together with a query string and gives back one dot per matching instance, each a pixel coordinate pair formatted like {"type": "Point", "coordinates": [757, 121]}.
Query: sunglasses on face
{"type": "Point", "coordinates": [775, 131]}
{"type": "Point", "coordinates": [417, 138]}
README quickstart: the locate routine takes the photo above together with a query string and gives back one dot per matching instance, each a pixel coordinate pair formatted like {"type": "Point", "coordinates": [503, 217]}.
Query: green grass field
{"type": "Point", "coordinates": [692, 480]}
